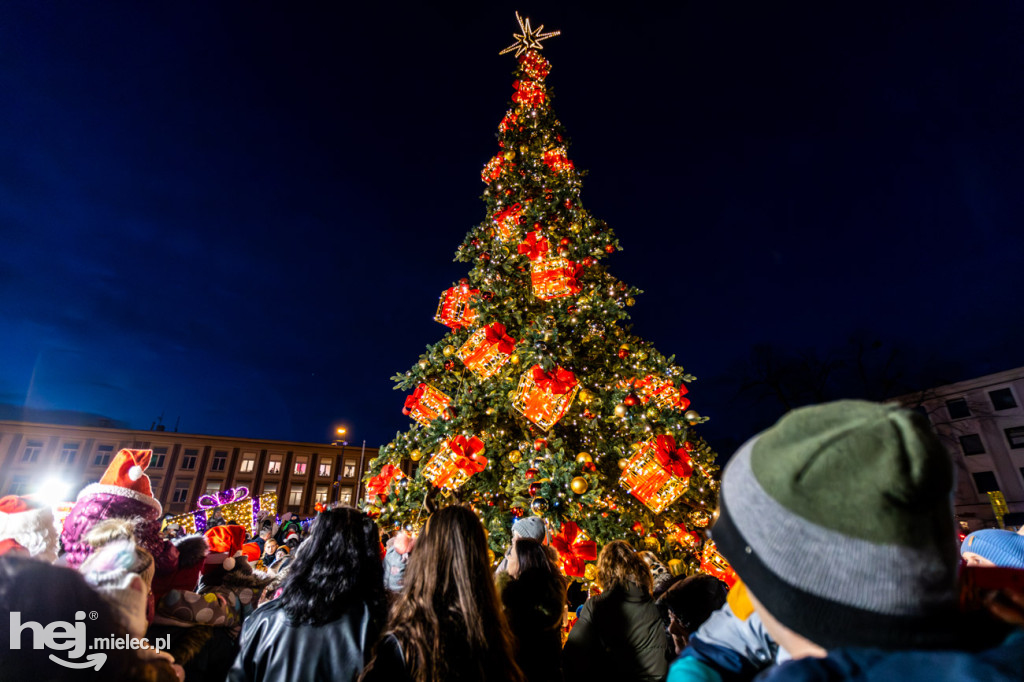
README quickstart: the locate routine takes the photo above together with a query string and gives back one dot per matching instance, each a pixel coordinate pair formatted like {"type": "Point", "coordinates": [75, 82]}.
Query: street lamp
{"type": "Point", "coordinates": [339, 440]}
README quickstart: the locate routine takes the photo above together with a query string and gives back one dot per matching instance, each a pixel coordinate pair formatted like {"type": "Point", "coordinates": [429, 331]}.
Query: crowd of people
{"type": "Point", "coordinates": [838, 521]}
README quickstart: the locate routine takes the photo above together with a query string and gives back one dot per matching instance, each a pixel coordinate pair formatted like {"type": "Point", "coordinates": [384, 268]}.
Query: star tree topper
{"type": "Point", "coordinates": [529, 39]}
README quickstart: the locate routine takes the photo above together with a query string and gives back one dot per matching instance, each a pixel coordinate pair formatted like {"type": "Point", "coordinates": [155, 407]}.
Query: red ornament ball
{"type": "Point", "coordinates": [564, 241]}
{"type": "Point", "coordinates": [518, 512]}
{"type": "Point", "coordinates": [589, 261]}
{"type": "Point", "coordinates": [609, 248]}
{"type": "Point", "coordinates": [539, 444]}
{"type": "Point", "coordinates": [531, 474]}
{"type": "Point", "coordinates": [629, 400]}
{"type": "Point", "coordinates": [485, 256]}
{"type": "Point", "coordinates": [534, 489]}
{"type": "Point", "coordinates": [623, 354]}
{"type": "Point", "coordinates": [590, 467]}
{"type": "Point", "coordinates": [638, 528]}
{"type": "Point", "coordinates": [449, 364]}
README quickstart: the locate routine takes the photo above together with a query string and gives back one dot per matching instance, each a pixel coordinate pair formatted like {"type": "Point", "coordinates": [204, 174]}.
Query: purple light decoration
{"type": "Point", "coordinates": [200, 518]}
{"type": "Point", "coordinates": [255, 513]}
{"type": "Point", "coordinates": [223, 497]}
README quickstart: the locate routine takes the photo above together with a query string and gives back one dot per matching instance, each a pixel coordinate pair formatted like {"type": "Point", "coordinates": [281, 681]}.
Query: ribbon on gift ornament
{"type": "Point", "coordinates": [535, 246]}
{"type": "Point", "coordinates": [557, 382]}
{"type": "Point", "coordinates": [573, 550]}
{"type": "Point", "coordinates": [379, 484]}
{"type": "Point", "coordinates": [675, 460]}
{"type": "Point", "coordinates": [467, 460]}
{"type": "Point", "coordinates": [495, 333]}
{"type": "Point", "coordinates": [413, 400]}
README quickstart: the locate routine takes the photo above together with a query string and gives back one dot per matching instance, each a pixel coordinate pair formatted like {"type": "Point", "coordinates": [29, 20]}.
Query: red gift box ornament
{"type": "Point", "coordinates": [535, 66]}
{"type": "Point", "coordinates": [552, 278]}
{"type": "Point", "coordinates": [493, 169]}
{"type": "Point", "coordinates": [534, 247]}
{"type": "Point", "coordinates": [713, 563]}
{"type": "Point", "coordinates": [659, 473]}
{"type": "Point", "coordinates": [557, 161]}
{"type": "Point", "coordinates": [379, 485]}
{"type": "Point", "coordinates": [528, 93]}
{"type": "Point", "coordinates": [506, 123]}
{"type": "Point", "coordinates": [508, 222]}
{"type": "Point", "coordinates": [457, 460]}
{"type": "Point", "coordinates": [453, 308]}
{"type": "Point", "coordinates": [574, 550]}
{"type": "Point", "coordinates": [426, 404]}
{"type": "Point", "coordinates": [487, 350]}
{"type": "Point", "coordinates": [545, 397]}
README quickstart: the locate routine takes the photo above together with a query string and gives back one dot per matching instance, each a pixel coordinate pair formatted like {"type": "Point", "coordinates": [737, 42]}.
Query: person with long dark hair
{"type": "Point", "coordinates": [533, 593]}
{"type": "Point", "coordinates": [619, 633]}
{"type": "Point", "coordinates": [447, 623]}
{"type": "Point", "coordinates": [330, 610]}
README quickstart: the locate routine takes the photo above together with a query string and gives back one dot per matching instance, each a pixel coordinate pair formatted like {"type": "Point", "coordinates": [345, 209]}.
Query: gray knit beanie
{"type": "Point", "coordinates": [530, 527]}
{"type": "Point", "coordinates": [839, 519]}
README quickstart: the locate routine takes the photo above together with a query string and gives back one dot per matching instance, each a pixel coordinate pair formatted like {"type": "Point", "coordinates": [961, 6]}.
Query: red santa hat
{"type": "Point", "coordinates": [29, 525]}
{"type": "Point", "coordinates": [9, 546]}
{"type": "Point", "coordinates": [126, 476]}
{"type": "Point", "coordinates": [225, 544]}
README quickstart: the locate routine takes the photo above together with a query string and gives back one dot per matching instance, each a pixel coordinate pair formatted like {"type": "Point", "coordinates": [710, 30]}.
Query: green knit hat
{"type": "Point", "coordinates": [839, 519]}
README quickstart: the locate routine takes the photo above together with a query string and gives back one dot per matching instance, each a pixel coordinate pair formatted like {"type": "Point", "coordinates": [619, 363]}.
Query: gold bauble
{"type": "Point", "coordinates": [509, 155]}
{"type": "Point", "coordinates": [490, 556]}
{"type": "Point", "coordinates": [424, 364]}
{"type": "Point", "coordinates": [692, 416]}
{"type": "Point", "coordinates": [448, 351]}
{"type": "Point", "coordinates": [630, 301]}
{"type": "Point", "coordinates": [652, 413]}
{"type": "Point", "coordinates": [590, 571]}
{"type": "Point", "coordinates": [514, 359]}
{"type": "Point", "coordinates": [514, 456]}
{"type": "Point", "coordinates": [642, 355]}
{"type": "Point", "coordinates": [415, 455]}
{"type": "Point", "coordinates": [578, 485]}
{"type": "Point", "coordinates": [675, 567]}
{"type": "Point", "coordinates": [621, 410]}
{"type": "Point", "coordinates": [652, 544]}
{"type": "Point", "coordinates": [623, 463]}
{"type": "Point", "coordinates": [585, 396]}
{"type": "Point", "coordinates": [523, 149]}
{"type": "Point", "coordinates": [584, 458]}
{"type": "Point", "coordinates": [489, 410]}
{"type": "Point", "coordinates": [575, 227]}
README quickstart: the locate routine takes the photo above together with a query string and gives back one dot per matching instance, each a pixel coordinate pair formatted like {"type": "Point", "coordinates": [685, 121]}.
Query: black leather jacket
{"type": "Point", "coordinates": [273, 648]}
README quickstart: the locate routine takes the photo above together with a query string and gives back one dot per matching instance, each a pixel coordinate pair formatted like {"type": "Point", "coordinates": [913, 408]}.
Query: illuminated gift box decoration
{"type": "Point", "coordinates": [557, 161]}
{"type": "Point", "coordinates": [457, 460]}
{"type": "Point", "coordinates": [508, 222]}
{"type": "Point", "coordinates": [244, 512]}
{"type": "Point", "coordinates": [528, 93]}
{"type": "Point", "coordinates": [549, 277]}
{"type": "Point", "coordinates": [492, 169]}
{"type": "Point", "coordinates": [381, 483]}
{"type": "Point", "coordinates": [545, 397]}
{"type": "Point", "coordinates": [453, 308]}
{"type": "Point", "coordinates": [658, 473]}
{"type": "Point", "coordinates": [426, 404]}
{"type": "Point", "coordinates": [506, 123]}
{"type": "Point", "coordinates": [534, 65]}
{"type": "Point", "coordinates": [487, 350]}
{"type": "Point", "coordinates": [713, 563]}
{"type": "Point", "coordinates": [662, 391]}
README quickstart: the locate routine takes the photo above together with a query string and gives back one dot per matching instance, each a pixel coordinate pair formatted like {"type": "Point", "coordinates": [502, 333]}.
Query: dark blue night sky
{"type": "Point", "coordinates": [241, 214]}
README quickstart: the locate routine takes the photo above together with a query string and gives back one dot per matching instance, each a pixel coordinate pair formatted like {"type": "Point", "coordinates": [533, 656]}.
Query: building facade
{"type": "Point", "coordinates": [184, 466]}
{"type": "Point", "coordinates": [981, 421]}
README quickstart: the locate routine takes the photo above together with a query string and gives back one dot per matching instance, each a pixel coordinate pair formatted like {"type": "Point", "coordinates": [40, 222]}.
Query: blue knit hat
{"type": "Point", "coordinates": [1002, 547]}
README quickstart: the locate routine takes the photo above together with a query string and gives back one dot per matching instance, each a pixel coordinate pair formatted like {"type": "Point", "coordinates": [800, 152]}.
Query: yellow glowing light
{"type": "Point", "coordinates": [529, 39]}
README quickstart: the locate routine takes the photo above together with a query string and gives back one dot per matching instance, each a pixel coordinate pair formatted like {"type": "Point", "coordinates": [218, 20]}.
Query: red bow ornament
{"type": "Point", "coordinates": [557, 382]}
{"type": "Point", "coordinates": [535, 246]}
{"type": "Point", "coordinates": [573, 550]}
{"type": "Point", "coordinates": [468, 459]}
{"type": "Point", "coordinates": [496, 334]}
{"type": "Point", "coordinates": [379, 484]}
{"type": "Point", "coordinates": [413, 400]}
{"type": "Point", "coordinates": [675, 461]}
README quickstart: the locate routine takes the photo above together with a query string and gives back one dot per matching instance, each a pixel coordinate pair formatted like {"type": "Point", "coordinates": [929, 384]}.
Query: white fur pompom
{"type": "Point", "coordinates": [229, 563]}
{"type": "Point", "coordinates": [135, 473]}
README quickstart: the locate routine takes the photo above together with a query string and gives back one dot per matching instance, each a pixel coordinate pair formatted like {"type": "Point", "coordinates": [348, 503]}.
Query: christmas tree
{"type": "Point", "coordinates": [539, 400]}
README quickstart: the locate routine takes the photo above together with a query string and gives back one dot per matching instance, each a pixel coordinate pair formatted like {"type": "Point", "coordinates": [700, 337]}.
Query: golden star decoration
{"type": "Point", "coordinates": [529, 39]}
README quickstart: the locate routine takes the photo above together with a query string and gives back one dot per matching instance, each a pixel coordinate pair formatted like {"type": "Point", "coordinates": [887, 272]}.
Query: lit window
{"type": "Point", "coordinates": [349, 471]}
{"type": "Point", "coordinates": [248, 462]}
{"type": "Point", "coordinates": [103, 455]}
{"type": "Point", "coordinates": [188, 461]}
{"type": "Point", "coordinates": [295, 496]}
{"type": "Point", "coordinates": [212, 487]}
{"type": "Point", "coordinates": [157, 460]}
{"type": "Point", "coordinates": [220, 460]}
{"type": "Point", "coordinates": [321, 494]}
{"type": "Point", "coordinates": [324, 469]}
{"type": "Point", "coordinates": [270, 488]}
{"type": "Point", "coordinates": [68, 453]}
{"type": "Point", "coordinates": [274, 465]}
{"type": "Point", "coordinates": [345, 495]}
{"type": "Point", "coordinates": [300, 465]}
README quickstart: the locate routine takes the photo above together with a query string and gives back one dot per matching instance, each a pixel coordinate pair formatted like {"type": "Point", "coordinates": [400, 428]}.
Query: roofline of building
{"type": "Point", "coordinates": [944, 390]}
{"type": "Point", "coordinates": [147, 434]}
